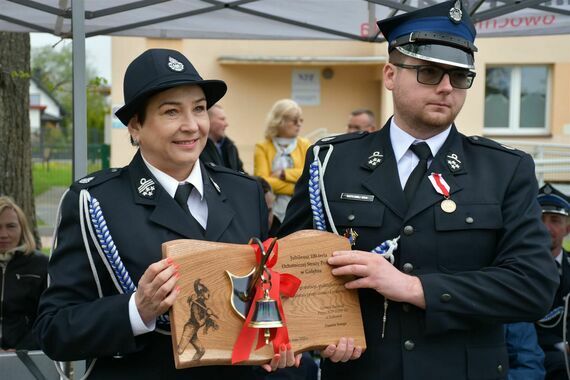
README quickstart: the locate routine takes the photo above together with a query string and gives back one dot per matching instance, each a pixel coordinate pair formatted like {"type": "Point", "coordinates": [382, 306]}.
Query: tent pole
{"type": "Point", "coordinates": [79, 90]}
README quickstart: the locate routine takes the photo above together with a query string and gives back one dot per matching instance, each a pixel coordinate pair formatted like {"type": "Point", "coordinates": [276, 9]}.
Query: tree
{"type": "Point", "coordinates": [53, 69]}
{"type": "Point", "coordinates": [15, 148]}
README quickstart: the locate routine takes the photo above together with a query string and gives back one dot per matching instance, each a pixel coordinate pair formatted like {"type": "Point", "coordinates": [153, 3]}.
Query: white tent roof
{"type": "Point", "coordinates": [268, 19]}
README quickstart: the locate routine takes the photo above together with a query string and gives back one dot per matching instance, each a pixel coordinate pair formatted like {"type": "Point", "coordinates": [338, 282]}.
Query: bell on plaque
{"type": "Point", "coordinates": [266, 315]}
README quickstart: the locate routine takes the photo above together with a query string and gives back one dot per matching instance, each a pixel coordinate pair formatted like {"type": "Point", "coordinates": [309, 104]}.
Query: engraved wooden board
{"type": "Point", "coordinates": [319, 314]}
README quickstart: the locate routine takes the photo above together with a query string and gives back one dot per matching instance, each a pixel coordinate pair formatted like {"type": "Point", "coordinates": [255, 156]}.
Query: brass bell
{"type": "Point", "coordinates": [266, 315]}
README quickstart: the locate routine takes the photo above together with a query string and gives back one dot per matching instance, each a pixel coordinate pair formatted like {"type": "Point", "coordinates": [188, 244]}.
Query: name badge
{"type": "Point", "coordinates": [357, 197]}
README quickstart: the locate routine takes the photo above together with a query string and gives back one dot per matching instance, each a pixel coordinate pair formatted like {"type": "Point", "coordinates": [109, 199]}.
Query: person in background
{"type": "Point", "coordinates": [220, 149]}
{"type": "Point", "coordinates": [23, 278]}
{"type": "Point", "coordinates": [555, 216]}
{"type": "Point", "coordinates": [447, 240]}
{"type": "Point", "coordinates": [361, 120]}
{"type": "Point", "coordinates": [108, 297]}
{"type": "Point", "coordinates": [526, 358]}
{"type": "Point", "coordinates": [269, 200]}
{"type": "Point", "coordinates": [279, 159]}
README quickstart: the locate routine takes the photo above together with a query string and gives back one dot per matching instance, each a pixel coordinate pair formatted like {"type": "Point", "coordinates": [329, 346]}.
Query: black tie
{"type": "Point", "coordinates": [424, 153]}
{"type": "Point", "coordinates": [181, 196]}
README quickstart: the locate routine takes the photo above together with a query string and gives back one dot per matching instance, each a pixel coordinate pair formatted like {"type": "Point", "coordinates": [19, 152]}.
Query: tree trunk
{"type": "Point", "coordinates": [15, 146]}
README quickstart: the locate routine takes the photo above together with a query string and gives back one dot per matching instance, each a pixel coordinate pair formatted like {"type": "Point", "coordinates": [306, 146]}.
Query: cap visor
{"type": "Point", "coordinates": [443, 54]}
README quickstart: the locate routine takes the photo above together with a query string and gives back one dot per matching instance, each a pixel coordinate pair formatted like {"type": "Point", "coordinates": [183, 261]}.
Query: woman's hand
{"type": "Point", "coordinates": [343, 351]}
{"type": "Point", "coordinates": [285, 358]}
{"type": "Point", "coordinates": [157, 289]}
{"type": "Point", "coordinates": [278, 174]}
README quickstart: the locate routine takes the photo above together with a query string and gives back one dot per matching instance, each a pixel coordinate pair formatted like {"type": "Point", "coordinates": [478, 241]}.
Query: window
{"type": "Point", "coordinates": [517, 99]}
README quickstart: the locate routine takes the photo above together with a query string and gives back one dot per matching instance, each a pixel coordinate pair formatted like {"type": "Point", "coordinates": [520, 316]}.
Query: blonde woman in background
{"type": "Point", "coordinates": [23, 278]}
{"type": "Point", "coordinates": [279, 159]}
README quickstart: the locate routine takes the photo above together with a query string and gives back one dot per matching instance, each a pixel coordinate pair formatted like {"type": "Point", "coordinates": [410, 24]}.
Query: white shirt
{"type": "Point", "coordinates": [199, 210]}
{"type": "Point", "coordinates": [405, 158]}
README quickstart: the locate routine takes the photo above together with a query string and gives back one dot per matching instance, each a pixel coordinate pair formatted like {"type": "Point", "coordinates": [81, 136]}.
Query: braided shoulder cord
{"type": "Point", "coordinates": [319, 221]}
{"type": "Point", "coordinates": [316, 173]}
{"type": "Point", "coordinates": [555, 313]}
{"type": "Point", "coordinates": [111, 252]}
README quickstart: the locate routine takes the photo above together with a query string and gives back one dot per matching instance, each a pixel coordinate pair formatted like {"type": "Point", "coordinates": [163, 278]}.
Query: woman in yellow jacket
{"type": "Point", "coordinates": [279, 159]}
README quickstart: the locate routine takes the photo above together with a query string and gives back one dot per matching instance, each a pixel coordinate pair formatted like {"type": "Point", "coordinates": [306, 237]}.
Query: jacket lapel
{"type": "Point", "coordinates": [165, 211]}
{"type": "Point", "coordinates": [220, 213]}
{"type": "Point", "coordinates": [426, 195]}
{"type": "Point", "coordinates": [384, 181]}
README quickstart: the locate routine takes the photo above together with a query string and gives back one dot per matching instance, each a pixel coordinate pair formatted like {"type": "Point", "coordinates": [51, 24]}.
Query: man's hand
{"type": "Point", "coordinates": [343, 351]}
{"type": "Point", "coordinates": [157, 289]}
{"type": "Point", "coordinates": [285, 358]}
{"type": "Point", "coordinates": [375, 272]}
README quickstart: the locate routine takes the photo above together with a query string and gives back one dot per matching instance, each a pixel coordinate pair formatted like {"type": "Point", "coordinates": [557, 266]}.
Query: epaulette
{"type": "Point", "coordinates": [341, 138]}
{"type": "Point", "coordinates": [96, 178]}
{"type": "Point", "coordinates": [222, 169]}
{"type": "Point", "coordinates": [483, 141]}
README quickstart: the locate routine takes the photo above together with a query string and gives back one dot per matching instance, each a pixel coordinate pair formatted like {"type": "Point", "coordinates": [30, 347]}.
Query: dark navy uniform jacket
{"type": "Point", "coordinates": [483, 265]}
{"type": "Point", "coordinates": [74, 323]}
{"type": "Point", "coordinates": [548, 337]}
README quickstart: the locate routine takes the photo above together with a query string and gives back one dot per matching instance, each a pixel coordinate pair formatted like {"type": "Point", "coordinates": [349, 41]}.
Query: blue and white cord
{"type": "Point", "coordinates": [112, 254]}
{"type": "Point", "coordinates": [317, 198]}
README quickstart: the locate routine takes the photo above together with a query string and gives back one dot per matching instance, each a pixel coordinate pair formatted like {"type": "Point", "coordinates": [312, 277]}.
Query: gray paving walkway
{"type": "Point", "coordinates": [46, 209]}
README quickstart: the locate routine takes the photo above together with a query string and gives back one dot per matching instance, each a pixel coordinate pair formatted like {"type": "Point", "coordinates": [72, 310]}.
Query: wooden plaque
{"type": "Point", "coordinates": [204, 324]}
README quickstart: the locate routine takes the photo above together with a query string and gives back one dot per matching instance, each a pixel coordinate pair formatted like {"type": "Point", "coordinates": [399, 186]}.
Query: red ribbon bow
{"type": "Point", "coordinates": [282, 284]}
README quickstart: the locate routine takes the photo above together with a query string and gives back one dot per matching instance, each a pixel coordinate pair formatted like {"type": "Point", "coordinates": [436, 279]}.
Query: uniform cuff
{"type": "Point", "coordinates": [137, 324]}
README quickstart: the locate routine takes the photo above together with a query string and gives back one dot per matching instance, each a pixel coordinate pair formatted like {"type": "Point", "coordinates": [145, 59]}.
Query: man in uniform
{"type": "Point", "coordinates": [220, 149]}
{"type": "Point", "coordinates": [471, 250]}
{"type": "Point", "coordinates": [109, 287]}
{"type": "Point", "coordinates": [361, 120]}
{"type": "Point", "coordinates": [555, 216]}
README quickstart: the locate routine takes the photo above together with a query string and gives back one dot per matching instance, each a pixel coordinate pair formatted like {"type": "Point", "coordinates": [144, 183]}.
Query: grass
{"type": "Point", "coordinates": [58, 173]}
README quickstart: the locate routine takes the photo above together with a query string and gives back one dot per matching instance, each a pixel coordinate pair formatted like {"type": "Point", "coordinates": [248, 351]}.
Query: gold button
{"type": "Point", "coordinates": [408, 268]}
{"type": "Point", "coordinates": [409, 345]}
{"type": "Point", "coordinates": [469, 220]}
{"type": "Point", "coordinates": [445, 297]}
{"type": "Point", "coordinates": [408, 230]}
{"type": "Point", "coordinates": [351, 217]}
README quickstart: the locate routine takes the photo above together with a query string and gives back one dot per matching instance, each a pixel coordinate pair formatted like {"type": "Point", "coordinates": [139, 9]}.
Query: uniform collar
{"type": "Point", "coordinates": [170, 184]}
{"type": "Point", "coordinates": [402, 140]}
{"type": "Point", "coordinates": [558, 257]}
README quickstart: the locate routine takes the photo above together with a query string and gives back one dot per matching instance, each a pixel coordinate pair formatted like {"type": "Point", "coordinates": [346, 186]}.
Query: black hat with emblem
{"type": "Point", "coordinates": [442, 33]}
{"type": "Point", "coordinates": [553, 201]}
{"type": "Point", "coordinates": [158, 70]}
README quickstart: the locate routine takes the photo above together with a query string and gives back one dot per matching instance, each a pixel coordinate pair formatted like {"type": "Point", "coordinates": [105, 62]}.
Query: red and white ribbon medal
{"type": "Point", "coordinates": [442, 187]}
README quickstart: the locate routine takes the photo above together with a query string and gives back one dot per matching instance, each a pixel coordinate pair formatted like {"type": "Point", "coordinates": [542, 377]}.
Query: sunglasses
{"type": "Point", "coordinates": [432, 75]}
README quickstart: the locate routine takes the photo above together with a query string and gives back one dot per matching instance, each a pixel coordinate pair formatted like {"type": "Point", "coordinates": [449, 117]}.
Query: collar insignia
{"type": "Point", "coordinates": [175, 65]}
{"type": "Point", "coordinates": [216, 186]}
{"type": "Point", "coordinates": [328, 139]}
{"type": "Point", "coordinates": [374, 160]}
{"type": "Point", "coordinates": [455, 13]}
{"type": "Point", "coordinates": [146, 188]}
{"type": "Point", "coordinates": [86, 180]}
{"type": "Point", "coordinates": [453, 162]}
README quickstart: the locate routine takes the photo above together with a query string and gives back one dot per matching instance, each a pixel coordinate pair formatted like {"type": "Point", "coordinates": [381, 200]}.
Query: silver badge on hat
{"type": "Point", "coordinates": [175, 65]}
{"type": "Point", "coordinates": [146, 189]}
{"type": "Point", "coordinates": [455, 13]}
{"type": "Point", "coordinates": [453, 162]}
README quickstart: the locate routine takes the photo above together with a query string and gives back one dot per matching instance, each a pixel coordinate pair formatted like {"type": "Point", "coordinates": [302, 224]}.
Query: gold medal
{"type": "Point", "coordinates": [448, 206]}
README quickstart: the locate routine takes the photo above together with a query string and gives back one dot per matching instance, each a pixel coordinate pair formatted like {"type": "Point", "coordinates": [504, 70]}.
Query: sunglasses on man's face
{"type": "Point", "coordinates": [432, 75]}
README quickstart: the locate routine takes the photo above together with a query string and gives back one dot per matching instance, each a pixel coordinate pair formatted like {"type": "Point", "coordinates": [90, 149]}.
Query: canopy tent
{"type": "Point", "coordinates": [249, 19]}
